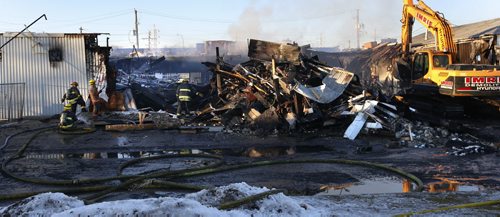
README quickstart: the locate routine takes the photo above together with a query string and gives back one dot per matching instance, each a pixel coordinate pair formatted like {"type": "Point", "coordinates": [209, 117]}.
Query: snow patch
{"type": "Point", "coordinates": [273, 205]}
{"type": "Point", "coordinates": [42, 205]}
{"type": "Point", "coordinates": [224, 194]}
{"type": "Point", "coordinates": [165, 206]}
{"type": "Point", "coordinates": [202, 203]}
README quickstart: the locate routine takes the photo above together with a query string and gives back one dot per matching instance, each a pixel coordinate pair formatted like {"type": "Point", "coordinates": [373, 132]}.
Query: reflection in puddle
{"type": "Point", "coordinates": [366, 186]}
{"type": "Point", "coordinates": [451, 185]}
{"type": "Point", "coordinates": [394, 185]}
{"type": "Point", "coordinates": [110, 155]}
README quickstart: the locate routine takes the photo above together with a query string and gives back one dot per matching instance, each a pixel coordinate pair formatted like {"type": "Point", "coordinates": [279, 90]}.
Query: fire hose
{"type": "Point", "coordinates": [81, 185]}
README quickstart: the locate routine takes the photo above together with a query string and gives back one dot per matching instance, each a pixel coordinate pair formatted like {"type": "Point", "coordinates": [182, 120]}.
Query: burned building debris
{"type": "Point", "coordinates": [284, 90]}
{"type": "Point", "coordinates": [292, 118]}
{"type": "Point", "coordinates": [278, 89]}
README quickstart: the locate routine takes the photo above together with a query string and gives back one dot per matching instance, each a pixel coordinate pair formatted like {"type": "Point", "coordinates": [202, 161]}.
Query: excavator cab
{"type": "Point", "coordinates": [420, 65]}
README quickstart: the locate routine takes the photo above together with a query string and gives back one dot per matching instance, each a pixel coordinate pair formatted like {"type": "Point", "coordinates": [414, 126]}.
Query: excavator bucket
{"type": "Point", "coordinates": [403, 72]}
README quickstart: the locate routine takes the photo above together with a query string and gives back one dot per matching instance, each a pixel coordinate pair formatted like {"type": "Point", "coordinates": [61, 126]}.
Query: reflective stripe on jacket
{"type": "Point", "coordinates": [184, 92]}
{"type": "Point", "coordinates": [184, 98]}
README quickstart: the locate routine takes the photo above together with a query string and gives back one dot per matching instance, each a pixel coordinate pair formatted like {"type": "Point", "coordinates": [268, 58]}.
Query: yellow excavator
{"type": "Point", "coordinates": [435, 69]}
{"type": "Point", "coordinates": [434, 84]}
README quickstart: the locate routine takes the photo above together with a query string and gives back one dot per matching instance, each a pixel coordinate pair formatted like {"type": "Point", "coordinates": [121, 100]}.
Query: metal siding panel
{"type": "Point", "coordinates": [1, 61]}
{"type": "Point", "coordinates": [46, 82]}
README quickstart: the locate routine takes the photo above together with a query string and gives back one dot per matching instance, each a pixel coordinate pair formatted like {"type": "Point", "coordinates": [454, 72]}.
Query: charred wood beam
{"type": "Point", "coordinates": [217, 68]}
{"type": "Point", "coordinates": [232, 75]}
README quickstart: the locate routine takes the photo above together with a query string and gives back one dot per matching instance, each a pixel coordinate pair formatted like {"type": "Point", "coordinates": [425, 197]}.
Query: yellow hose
{"type": "Point", "coordinates": [461, 206]}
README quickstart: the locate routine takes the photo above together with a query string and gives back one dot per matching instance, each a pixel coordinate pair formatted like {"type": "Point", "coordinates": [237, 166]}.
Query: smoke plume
{"type": "Point", "coordinates": [324, 23]}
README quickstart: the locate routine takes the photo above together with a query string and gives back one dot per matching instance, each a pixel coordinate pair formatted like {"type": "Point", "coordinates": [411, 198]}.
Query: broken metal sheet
{"type": "Point", "coordinates": [374, 125]}
{"type": "Point", "coordinates": [368, 106]}
{"type": "Point", "coordinates": [356, 126]}
{"type": "Point", "coordinates": [333, 86]}
{"type": "Point", "coordinates": [266, 51]}
{"type": "Point", "coordinates": [361, 118]}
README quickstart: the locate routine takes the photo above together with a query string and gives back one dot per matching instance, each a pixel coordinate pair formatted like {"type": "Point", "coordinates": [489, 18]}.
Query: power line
{"type": "Point", "coordinates": [100, 16]}
{"type": "Point", "coordinates": [93, 20]}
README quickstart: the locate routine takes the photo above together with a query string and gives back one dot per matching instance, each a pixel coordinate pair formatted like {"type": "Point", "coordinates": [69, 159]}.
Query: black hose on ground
{"type": "Point", "coordinates": [413, 178]}
{"type": "Point", "coordinates": [214, 168]}
{"type": "Point", "coordinates": [249, 199]}
{"type": "Point", "coordinates": [96, 197]}
{"type": "Point", "coordinates": [22, 132]}
{"type": "Point", "coordinates": [20, 152]}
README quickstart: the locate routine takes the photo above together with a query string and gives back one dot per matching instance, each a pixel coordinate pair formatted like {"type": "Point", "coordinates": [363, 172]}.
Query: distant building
{"type": "Point", "coordinates": [37, 68]}
{"type": "Point", "coordinates": [369, 45]}
{"type": "Point", "coordinates": [225, 47]}
{"type": "Point", "coordinates": [200, 48]}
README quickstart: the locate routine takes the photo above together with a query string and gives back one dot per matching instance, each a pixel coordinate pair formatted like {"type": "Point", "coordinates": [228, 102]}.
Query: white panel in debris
{"type": "Point", "coordinates": [356, 126]}
{"type": "Point", "coordinates": [361, 118]}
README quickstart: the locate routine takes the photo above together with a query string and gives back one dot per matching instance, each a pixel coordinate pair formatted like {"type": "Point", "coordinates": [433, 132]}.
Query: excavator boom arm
{"type": "Point", "coordinates": [431, 20]}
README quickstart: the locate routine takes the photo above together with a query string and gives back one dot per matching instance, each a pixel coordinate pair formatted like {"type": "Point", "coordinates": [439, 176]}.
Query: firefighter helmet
{"type": "Point", "coordinates": [92, 82]}
{"type": "Point", "coordinates": [74, 83]}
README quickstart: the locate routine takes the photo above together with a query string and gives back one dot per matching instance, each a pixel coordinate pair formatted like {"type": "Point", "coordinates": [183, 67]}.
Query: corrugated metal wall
{"type": "Point", "coordinates": [26, 60]}
{"type": "Point", "coordinates": [464, 51]}
{"type": "Point", "coordinates": [11, 101]}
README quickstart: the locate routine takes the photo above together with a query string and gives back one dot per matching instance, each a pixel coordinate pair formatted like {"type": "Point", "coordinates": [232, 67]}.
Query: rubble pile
{"type": "Point", "coordinates": [462, 145]}
{"type": "Point", "coordinates": [278, 90]}
{"type": "Point", "coordinates": [420, 135]}
{"type": "Point", "coordinates": [281, 90]}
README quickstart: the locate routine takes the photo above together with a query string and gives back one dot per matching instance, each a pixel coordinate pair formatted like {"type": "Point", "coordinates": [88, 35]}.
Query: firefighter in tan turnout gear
{"type": "Point", "coordinates": [97, 104]}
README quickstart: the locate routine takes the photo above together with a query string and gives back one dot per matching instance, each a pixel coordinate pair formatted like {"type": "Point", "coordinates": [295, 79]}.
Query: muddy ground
{"type": "Point", "coordinates": [54, 156]}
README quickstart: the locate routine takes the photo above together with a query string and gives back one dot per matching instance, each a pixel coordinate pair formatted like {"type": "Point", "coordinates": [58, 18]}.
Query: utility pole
{"type": "Point", "coordinates": [358, 27]}
{"type": "Point", "coordinates": [375, 34]}
{"type": "Point", "coordinates": [152, 40]}
{"type": "Point", "coordinates": [149, 40]}
{"type": "Point", "coordinates": [136, 31]}
{"type": "Point", "coordinates": [155, 39]}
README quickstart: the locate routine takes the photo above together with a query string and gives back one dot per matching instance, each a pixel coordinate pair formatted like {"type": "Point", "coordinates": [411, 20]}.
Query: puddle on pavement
{"type": "Point", "coordinates": [451, 185]}
{"type": "Point", "coordinates": [368, 186]}
{"type": "Point", "coordinates": [394, 185]}
{"type": "Point", "coordinates": [110, 155]}
{"type": "Point", "coordinates": [258, 152]}
{"type": "Point", "coordinates": [249, 152]}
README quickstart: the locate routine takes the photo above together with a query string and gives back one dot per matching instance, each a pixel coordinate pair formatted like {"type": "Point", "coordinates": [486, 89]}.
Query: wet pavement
{"type": "Point", "coordinates": [100, 154]}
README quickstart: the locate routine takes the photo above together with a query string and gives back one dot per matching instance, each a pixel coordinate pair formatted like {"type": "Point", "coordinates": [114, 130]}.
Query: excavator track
{"type": "Point", "coordinates": [439, 109]}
